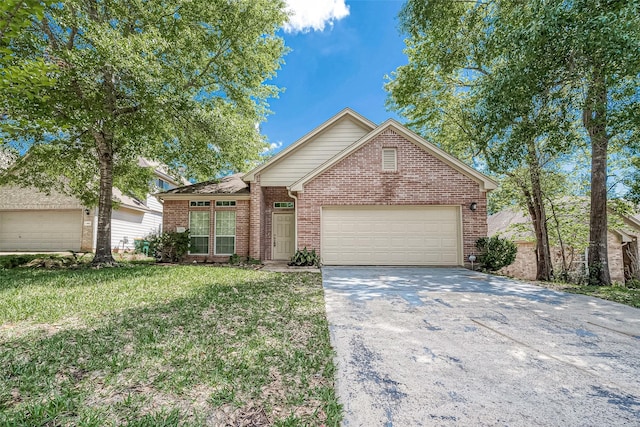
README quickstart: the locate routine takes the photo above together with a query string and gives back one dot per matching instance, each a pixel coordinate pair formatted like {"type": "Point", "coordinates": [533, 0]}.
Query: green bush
{"type": "Point", "coordinates": [169, 246]}
{"type": "Point", "coordinates": [632, 284]}
{"type": "Point", "coordinates": [305, 258]}
{"type": "Point", "coordinates": [495, 252]}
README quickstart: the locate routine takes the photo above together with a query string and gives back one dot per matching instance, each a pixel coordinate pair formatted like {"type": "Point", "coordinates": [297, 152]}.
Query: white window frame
{"type": "Point", "coordinates": [199, 203]}
{"type": "Point", "coordinates": [208, 235]}
{"type": "Point", "coordinates": [216, 235]}
{"type": "Point", "coordinates": [394, 152]}
{"type": "Point", "coordinates": [283, 205]}
{"type": "Point", "coordinates": [225, 203]}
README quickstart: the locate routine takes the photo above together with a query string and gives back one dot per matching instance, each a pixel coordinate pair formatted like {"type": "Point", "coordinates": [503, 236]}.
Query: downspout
{"type": "Point", "coordinates": [295, 219]}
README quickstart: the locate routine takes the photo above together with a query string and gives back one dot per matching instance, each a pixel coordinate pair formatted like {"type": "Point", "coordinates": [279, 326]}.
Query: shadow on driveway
{"type": "Point", "coordinates": [438, 346]}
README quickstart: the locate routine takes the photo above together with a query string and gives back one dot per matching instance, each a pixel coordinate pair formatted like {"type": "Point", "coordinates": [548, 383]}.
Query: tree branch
{"type": "Point", "coordinates": [49, 33]}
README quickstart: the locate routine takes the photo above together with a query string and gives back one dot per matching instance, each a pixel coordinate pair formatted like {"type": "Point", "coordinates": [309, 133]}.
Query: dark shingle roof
{"type": "Point", "coordinates": [232, 184]}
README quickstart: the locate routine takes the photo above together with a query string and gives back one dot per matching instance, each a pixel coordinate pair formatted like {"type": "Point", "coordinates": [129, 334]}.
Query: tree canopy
{"type": "Point", "coordinates": [182, 82]}
{"type": "Point", "coordinates": [522, 85]}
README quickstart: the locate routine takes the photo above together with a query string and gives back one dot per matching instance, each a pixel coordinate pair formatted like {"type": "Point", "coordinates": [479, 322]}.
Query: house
{"type": "Point", "coordinates": [31, 220]}
{"type": "Point", "coordinates": [622, 239]}
{"type": "Point", "coordinates": [356, 192]}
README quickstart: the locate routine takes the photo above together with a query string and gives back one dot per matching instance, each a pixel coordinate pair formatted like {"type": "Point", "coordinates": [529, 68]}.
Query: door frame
{"type": "Point", "coordinates": [273, 232]}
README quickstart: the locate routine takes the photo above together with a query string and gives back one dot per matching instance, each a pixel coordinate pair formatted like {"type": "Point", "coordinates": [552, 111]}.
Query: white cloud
{"type": "Point", "coordinates": [307, 15]}
{"type": "Point", "coordinates": [274, 146]}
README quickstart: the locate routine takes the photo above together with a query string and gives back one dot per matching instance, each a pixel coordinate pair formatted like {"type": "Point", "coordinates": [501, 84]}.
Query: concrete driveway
{"type": "Point", "coordinates": [451, 347]}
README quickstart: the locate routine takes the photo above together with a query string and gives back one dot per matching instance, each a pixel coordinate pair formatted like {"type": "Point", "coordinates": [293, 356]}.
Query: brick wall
{"type": "Point", "coordinates": [269, 196]}
{"type": "Point", "coordinates": [421, 179]}
{"type": "Point", "coordinates": [524, 267]}
{"type": "Point", "coordinates": [18, 198]}
{"type": "Point", "coordinates": [255, 220]}
{"type": "Point", "coordinates": [88, 224]}
{"type": "Point", "coordinates": [176, 214]}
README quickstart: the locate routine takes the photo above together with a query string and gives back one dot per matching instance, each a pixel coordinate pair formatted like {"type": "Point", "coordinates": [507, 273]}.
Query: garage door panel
{"type": "Point", "coordinates": [424, 235]}
{"type": "Point", "coordinates": [40, 230]}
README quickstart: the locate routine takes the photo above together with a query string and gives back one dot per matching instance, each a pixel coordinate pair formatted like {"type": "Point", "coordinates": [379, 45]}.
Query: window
{"type": "Point", "coordinates": [225, 203]}
{"type": "Point", "coordinates": [199, 231]}
{"type": "Point", "coordinates": [199, 203]}
{"type": "Point", "coordinates": [283, 205]}
{"type": "Point", "coordinates": [389, 159]}
{"type": "Point", "coordinates": [163, 185]}
{"type": "Point", "coordinates": [225, 233]}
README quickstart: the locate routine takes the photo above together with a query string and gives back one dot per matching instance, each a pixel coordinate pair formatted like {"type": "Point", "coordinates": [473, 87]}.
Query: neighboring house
{"type": "Point", "coordinates": [622, 247]}
{"type": "Point", "coordinates": [356, 192]}
{"type": "Point", "coordinates": [31, 220]}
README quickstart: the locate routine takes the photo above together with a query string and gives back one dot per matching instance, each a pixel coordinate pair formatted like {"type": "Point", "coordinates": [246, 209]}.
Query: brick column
{"type": "Point", "coordinates": [255, 220]}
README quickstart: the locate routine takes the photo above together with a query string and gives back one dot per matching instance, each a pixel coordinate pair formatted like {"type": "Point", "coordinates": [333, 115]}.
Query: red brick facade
{"type": "Point", "coordinates": [176, 214]}
{"type": "Point", "coordinates": [421, 179]}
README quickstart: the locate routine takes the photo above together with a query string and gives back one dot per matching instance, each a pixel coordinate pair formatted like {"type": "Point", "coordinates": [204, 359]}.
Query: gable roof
{"type": "Point", "coordinates": [227, 186]}
{"type": "Point", "coordinates": [486, 183]}
{"type": "Point", "coordinates": [347, 112]}
{"type": "Point", "coordinates": [510, 224]}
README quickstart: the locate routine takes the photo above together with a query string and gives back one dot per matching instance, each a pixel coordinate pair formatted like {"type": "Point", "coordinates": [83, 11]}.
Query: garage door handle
{"type": "Point", "coordinates": [274, 242]}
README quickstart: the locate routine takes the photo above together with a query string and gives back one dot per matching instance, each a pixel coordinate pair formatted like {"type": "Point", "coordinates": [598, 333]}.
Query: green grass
{"type": "Point", "coordinates": [617, 293]}
{"type": "Point", "coordinates": [152, 346]}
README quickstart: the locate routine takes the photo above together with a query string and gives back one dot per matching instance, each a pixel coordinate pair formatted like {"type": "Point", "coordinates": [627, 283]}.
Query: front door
{"type": "Point", "coordinates": [283, 236]}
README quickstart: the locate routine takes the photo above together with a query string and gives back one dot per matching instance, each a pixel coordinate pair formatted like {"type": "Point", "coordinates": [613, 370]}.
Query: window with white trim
{"type": "Point", "coordinates": [199, 203]}
{"type": "Point", "coordinates": [225, 242]}
{"type": "Point", "coordinates": [199, 233]}
{"type": "Point", "coordinates": [225, 203]}
{"type": "Point", "coordinates": [283, 205]}
{"type": "Point", "coordinates": [389, 159]}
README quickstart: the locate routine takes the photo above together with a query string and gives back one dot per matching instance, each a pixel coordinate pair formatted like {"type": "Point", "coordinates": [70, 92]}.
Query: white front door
{"type": "Point", "coordinates": [283, 236]}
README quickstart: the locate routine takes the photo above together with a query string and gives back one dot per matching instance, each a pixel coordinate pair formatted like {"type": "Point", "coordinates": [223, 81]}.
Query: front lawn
{"type": "Point", "coordinates": [616, 293]}
{"type": "Point", "coordinates": [153, 346]}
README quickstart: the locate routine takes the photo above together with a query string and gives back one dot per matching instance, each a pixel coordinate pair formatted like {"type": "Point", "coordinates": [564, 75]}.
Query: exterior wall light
{"type": "Point", "coordinates": [472, 259]}
{"type": "Point", "coordinates": [87, 211]}
{"type": "Point", "coordinates": [473, 206]}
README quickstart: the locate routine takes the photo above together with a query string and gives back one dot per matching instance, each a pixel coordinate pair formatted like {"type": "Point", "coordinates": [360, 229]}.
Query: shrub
{"type": "Point", "coordinates": [305, 258]}
{"type": "Point", "coordinates": [495, 252]}
{"type": "Point", "coordinates": [633, 284]}
{"type": "Point", "coordinates": [169, 246]}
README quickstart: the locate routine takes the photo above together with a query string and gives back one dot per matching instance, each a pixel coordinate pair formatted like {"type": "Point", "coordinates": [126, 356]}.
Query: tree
{"type": "Point", "coordinates": [28, 76]}
{"type": "Point", "coordinates": [445, 93]}
{"type": "Point", "coordinates": [181, 82]}
{"type": "Point", "coordinates": [575, 62]}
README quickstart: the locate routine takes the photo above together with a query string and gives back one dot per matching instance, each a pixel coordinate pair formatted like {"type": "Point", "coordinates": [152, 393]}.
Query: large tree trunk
{"type": "Point", "coordinates": [105, 157]}
{"type": "Point", "coordinates": [535, 205]}
{"type": "Point", "coordinates": [594, 118]}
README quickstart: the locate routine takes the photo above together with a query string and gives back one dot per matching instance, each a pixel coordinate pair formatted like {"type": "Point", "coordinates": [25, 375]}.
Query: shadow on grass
{"type": "Point", "coordinates": [22, 277]}
{"type": "Point", "coordinates": [259, 343]}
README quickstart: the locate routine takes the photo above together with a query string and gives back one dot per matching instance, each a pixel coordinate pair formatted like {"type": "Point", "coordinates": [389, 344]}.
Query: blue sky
{"type": "Point", "coordinates": [337, 60]}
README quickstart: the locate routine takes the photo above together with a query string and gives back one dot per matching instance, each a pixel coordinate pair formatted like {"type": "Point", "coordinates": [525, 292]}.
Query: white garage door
{"type": "Point", "coordinates": [40, 230]}
{"type": "Point", "coordinates": [407, 235]}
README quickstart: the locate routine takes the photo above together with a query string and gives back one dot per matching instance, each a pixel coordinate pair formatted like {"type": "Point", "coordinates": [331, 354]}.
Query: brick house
{"type": "Point", "coordinates": [356, 192]}
{"type": "Point", "coordinates": [31, 220]}
{"type": "Point", "coordinates": [622, 246]}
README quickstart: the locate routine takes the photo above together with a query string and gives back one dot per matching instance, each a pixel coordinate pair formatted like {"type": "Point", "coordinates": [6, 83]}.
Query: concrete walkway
{"type": "Point", "coordinates": [451, 347]}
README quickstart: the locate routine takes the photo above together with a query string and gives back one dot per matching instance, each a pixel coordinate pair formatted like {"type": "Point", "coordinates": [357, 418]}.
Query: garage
{"type": "Point", "coordinates": [40, 230]}
{"type": "Point", "coordinates": [394, 235]}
